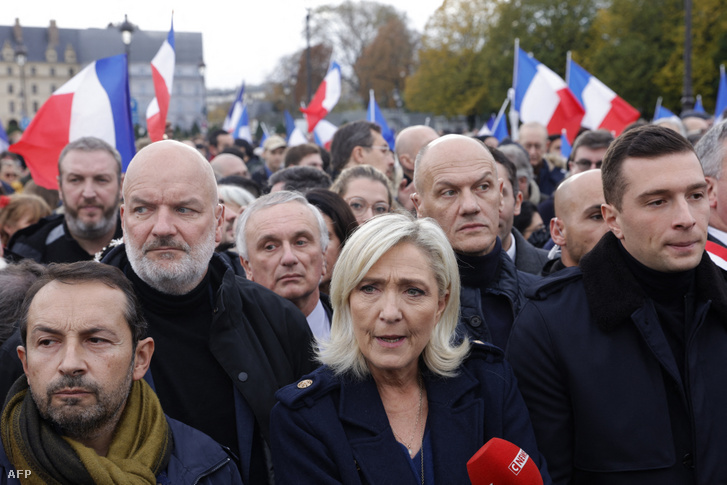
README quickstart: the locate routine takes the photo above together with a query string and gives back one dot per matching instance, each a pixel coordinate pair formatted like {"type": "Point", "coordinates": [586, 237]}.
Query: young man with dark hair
{"type": "Point", "coordinates": [621, 360]}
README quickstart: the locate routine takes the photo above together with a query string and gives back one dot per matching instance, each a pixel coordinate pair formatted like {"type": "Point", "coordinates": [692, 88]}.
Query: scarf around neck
{"type": "Point", "coordinates": [140, 448]}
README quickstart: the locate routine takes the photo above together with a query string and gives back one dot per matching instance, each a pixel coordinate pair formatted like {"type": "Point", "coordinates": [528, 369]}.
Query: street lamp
{"type": "Point", "coordinates": [202, 68]}
{"type": "Point", "coordinates": [127, 31]}
{"type": "Point", "coordinates": [21, 57]}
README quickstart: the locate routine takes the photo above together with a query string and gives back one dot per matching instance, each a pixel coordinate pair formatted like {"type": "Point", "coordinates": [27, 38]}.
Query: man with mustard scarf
{"type": "Point", "coordinates": [82, 414]}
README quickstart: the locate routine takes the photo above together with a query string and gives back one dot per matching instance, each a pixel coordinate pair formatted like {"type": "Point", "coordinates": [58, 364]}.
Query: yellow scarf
{"type": "Point", "coordinates": [140, 448]}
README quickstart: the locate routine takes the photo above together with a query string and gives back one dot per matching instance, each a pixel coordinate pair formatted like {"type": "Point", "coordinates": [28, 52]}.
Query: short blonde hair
{"type": "Point", "coordinates": [442, 354]}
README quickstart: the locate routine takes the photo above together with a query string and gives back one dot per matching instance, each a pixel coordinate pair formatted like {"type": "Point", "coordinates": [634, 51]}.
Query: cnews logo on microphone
{"type": "Point", "coordinates": [519, 462]}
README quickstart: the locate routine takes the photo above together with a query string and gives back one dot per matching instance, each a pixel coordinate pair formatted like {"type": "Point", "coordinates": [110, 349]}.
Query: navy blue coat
{"type": "Point", "coordinates": [607, 399]}
{"type": "Point", "coordinates": [195, 459]}
{"type": "Point", "coordinates": [336, 430]}
{"type": "Point", "coordinates": [509, 283]}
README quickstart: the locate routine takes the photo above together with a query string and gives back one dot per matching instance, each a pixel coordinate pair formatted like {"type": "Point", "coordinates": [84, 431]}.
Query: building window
{"type": "Point", "coordinates": [34, 89]}
{"type": "Point", "coordinates": [35, 106]}
{"type": "Point", "coordinates": [10, 71]}
{"type": "Point", "coordinates": [12, 106]}
{"type": "Point", "coordinates": [52, 72]}
{"type": "Point", "coordinates": [52, 88]}
{"type": "Point", "coordinates": [10, 88]}
{"type": "Point", "coordinates": [32, 71]}
{"type": "Point", "coordinates": [70, 71]}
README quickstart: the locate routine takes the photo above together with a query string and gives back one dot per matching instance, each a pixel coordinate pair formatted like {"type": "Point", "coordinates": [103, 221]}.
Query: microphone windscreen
{"type": "Point", "coordinates": [500, 462]}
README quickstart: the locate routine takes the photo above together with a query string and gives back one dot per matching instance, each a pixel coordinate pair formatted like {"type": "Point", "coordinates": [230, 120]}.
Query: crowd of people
{"type": "Point", "coordinates": [221, 313]}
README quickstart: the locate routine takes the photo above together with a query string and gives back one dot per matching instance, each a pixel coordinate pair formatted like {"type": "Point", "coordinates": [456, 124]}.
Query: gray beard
{"type": "Point", "coordinates": [178, 277]}
{"type": "Point", "coordinates": [95, 230]}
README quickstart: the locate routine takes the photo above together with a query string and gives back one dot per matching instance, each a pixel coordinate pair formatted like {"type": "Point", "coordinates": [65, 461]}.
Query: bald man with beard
{"type": "Point", "coordinates": [578, 224]}
{"type": "Point", "coordinates": [224, 345]}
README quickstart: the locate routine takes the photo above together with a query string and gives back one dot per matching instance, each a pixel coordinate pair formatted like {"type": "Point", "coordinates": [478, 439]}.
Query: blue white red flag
{"type": "Point", "coordinates": [233, 115]}
{"type": "Point", "coordinates": [266, 133]}
{"type": "Point", "coordinates": [661, 112]}
{"type": "Point", "coordinates": [323, 133]}
{"type": "Point", "coordinates": [242, 129]}
{"type": "Point", "coordinates": [293, 133]}
{"type": "Point", "coordinates": [162, 73]}
{"type": "Point", "coordinates": [95, 102]}
{"type": "Point", "coordinates": [4, 143]}
{"type": "Point", "coordinates": [374, 115]}
{"type": "Point", "coordinates": [326, 97]}
{"type": "Point", "coordinates": [542, 96]}
{"type": "Point", "coordinates": [604, 108]}
{"type": "Point", "coordinates": [721, 106]}
{"type": "Point", "coordinates": [565, 146]}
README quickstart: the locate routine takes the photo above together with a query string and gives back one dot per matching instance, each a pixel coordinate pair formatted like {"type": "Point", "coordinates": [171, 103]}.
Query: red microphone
{"type": "Point", "coordinates": [500, 462]}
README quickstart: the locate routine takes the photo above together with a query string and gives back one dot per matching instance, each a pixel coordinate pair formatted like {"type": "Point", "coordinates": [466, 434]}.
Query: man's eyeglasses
{"type": "Point", "coordinates": [358, 206]}
{"type": "Point", "coordinates": [383, 148]}
{"type": "Point", "coordinates": [584, 164]}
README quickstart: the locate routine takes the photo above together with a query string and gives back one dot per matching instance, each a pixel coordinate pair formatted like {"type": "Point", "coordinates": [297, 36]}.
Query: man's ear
{"type": "Point", "coordinates": [142, 357]}
{"type": "Point", "coordinates": [417, 200]}
{"type": "Point", "coordinates": [712, 192]}
{"type": "Point", "coordinates": [248, 269]}
{"type": "Point", "coordinates": [518, 203]}
{"type": "Point", "coordinates": [357, 155]}
{"type": "Point", "coordinates": [23, 356]}
{"type": "Point", "coordinates": [557, 231]}
{"type": "Point", "coordinates": [612, 216]}
{"type": "Point", "coordinates": [219, 219]}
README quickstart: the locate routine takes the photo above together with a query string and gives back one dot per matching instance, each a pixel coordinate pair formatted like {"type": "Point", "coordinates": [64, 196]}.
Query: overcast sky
{"type": "Point", "coordinates": [242, 39]}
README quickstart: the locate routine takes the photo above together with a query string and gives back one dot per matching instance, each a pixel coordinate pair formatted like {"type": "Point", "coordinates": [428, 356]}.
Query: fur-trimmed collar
{"type": "Point", "coordinates": [613, 293]}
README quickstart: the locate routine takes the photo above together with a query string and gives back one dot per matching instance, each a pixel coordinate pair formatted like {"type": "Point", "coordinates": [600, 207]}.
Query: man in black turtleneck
{"type": "Point", "coordinates": [622, 360]}
{"type": "Point", "coordinates": [457, 184]}
{"type": "Point", "coordinates": [224, 345]}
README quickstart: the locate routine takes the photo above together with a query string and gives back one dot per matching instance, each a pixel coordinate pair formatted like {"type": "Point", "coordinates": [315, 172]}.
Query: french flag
{"type": "Point", "coordinates": [95, 102]}
{"type": "Point", "coordinates": [542, 96]}
{"type": "Point", "coordinates": [375, 115]}
{"type": "Point", "coordinates": [326, 97]}
{"type": "Point", "coordinates": [162, 73]}
{"type": "Point", "coordinates": [242, 129]}
{"type": "Point", "coordinates": [4, 143]}
{"type": "Point", "coordinates": [565, 146]}
{"type": "Point", "coordinates": [323, 133]}
{"type": "Point", "coordinates": [660, 112]}
{"type": "Point", "coordinates": [604, 108]}
{"type": "Point", "coordinates": [293, 133]}
{"type": "Point", "coordinates": [233, 116]}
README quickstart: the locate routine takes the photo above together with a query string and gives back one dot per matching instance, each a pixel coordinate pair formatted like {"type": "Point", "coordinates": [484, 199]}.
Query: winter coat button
{"type": "Point", "coordinates": [305, 383]}
{"type": "Point", "coordinates": [242, 376]}
{"type": "Point", "coordinates": [475, 321]}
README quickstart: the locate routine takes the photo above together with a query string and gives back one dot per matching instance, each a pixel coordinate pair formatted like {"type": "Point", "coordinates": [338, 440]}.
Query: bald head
{"type": "Point", "coordinates": [578, 224]}
{"type": "Point", "coordinates": [408, 143]}
{"type": "Point", "coordinates": [168, 161]}
{"type": "Point", "coordinates": [171, 218]}
{"type": "Point", "coordinates": [226, 164]}
{"type": "Point", "coordinates": [457, 185]}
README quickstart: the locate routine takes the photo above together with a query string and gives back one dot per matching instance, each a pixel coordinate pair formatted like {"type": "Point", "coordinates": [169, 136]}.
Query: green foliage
{"type": "Point", "coordinates": [634, 46]}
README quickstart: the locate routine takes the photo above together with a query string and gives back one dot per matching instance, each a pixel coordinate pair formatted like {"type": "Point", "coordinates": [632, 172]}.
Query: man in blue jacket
{"type": "Point", "coordinates": [82, 413]}
{"type": "Point", "coordinates": [622, 360]}
{"type": "Point", "coordinates": [458, 185]}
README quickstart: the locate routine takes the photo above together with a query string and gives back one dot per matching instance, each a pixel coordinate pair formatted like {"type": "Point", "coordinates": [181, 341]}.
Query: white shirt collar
{"type": "Point", "coordinates": [319, 323]}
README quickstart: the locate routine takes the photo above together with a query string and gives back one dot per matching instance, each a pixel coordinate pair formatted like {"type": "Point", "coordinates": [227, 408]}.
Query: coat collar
{"type": "Point", "coordinates": [614, 294]}
{"type": "Point", "coordinates": [367, 427]}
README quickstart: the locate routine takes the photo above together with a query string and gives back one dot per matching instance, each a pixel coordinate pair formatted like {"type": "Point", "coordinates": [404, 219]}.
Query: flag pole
{"type": "Point", "coordinates": [568, 60]}
{"type": "Point", "coordinates": [658, 105]}
{"type": "Point", "coordinates": [372, 115]}
{"type": "Point", "coordinates": [514, 115]}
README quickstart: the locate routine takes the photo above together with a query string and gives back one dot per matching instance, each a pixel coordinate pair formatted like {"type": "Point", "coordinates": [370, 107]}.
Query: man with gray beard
{"type": "Point", "coordinates": [224, 345]}
{"type": "Point", "coordinates": [89, 179]}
